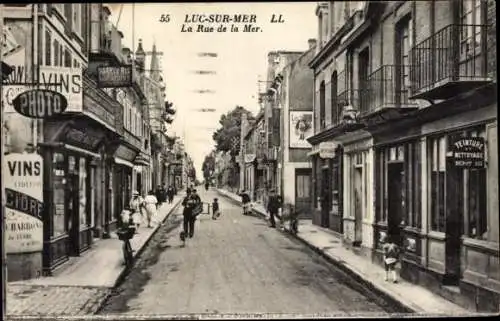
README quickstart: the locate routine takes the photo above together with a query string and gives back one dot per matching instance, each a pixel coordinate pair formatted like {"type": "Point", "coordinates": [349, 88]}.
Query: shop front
{"type": "Point", "coordinates": [122, 182]}
{"type": "Point", "coordinates": [358, 190]}
{"type": "Point", "coordinates": [70, 159]}
{"type": "Point", "coordinates": [461, 206]}
{"type": "Point", "coordinates": [398, 200]}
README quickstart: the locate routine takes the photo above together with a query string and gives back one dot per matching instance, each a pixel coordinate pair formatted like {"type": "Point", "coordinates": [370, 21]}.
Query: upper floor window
{"type": "Point", "coordinates": [56, 53]}
{"type": "Point", "coordinates": [471, 18]}
{"type": "Point", "coordinates": [48, 47]}
{"type": "Point", "coordinates": [403, 46]}
{"type": "Point", "coordinates": [77, 18]}
{"type": "Point", "coordinates": [67, 58]}
{"type": "Point", "coordinates": [322, 105]}
{"type": "Point", "coordinates": [59, 7]}
{"type": "Point", "coordinates": [335, 107]}
{"type": "Point", "coordinates": [67, 11]}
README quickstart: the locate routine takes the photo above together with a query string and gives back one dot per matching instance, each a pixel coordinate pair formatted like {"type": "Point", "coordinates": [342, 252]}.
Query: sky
{"type": "Point", "coordinates": [241, 61]}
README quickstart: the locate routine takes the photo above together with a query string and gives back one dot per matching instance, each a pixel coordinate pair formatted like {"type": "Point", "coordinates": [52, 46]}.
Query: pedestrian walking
{"type": "Point", "coordinates": [391, 258]}
{"type": "Point", "coordinates": [215, 209]}
{"type": "Point", "coordinates": [273, 205]}
{"type": "Point", "coordinates": [245, 200]}
{"type": "Point", "coordinates": [150, 202]}
{"type": "Point", "coordinates": [191, 203]}
{"type": "Point", "coordinates": [159, 195]}
{"type": "Point", "coordinates": [136, 205]}
{"type": "Point", "coordinates": [170, 194]}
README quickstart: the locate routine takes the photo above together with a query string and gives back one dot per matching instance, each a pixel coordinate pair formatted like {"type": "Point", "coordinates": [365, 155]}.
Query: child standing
{"type": "Point", "coordinates": [215, 209]}
{"type": "Point", "coordinates": [391, 256]}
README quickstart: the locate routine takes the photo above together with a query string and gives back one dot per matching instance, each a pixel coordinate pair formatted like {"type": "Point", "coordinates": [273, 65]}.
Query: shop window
{"type": "Point", "coordinates": [476, 202]}
{"type": "Point", "coordinates": [59, 174]}
{"type": "Point", "coordinates": [472, 195]}
{"type": "Point", "coordinates": [437, 182]}
{"type": "Point", "coordinates": [82, 191]}
{"type": "Point", "coordinates": [48, 49]}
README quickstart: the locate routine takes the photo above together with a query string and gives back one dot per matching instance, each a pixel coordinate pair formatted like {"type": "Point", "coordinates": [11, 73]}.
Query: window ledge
{"type": "Point", "coordinates": [481, 244]}
{"type": "Point", "coordinates": [437, 235]}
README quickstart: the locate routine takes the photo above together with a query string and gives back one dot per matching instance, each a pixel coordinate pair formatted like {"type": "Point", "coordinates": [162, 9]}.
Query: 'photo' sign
{"type": "Point", "coordinates": [468, 152]}
{"type": "Point", "coordinates": [23, 177]}
{"type": "Point", "coordinates": [114, 77]}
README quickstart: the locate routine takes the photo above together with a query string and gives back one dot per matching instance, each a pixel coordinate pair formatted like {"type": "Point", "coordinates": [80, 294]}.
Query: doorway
{"type": "Point", "coordinates": [72, 205]}
{"type": "Point", "coordinates": [453, 223]}
{"type": "Point", "coordinates": [396, 193]}
{"type": "Point", "coordinates": [302, 190]}
{"type": "Point", "coordinates": [326, 201]}
{"type": "Point", "coordinates": [358, 205]}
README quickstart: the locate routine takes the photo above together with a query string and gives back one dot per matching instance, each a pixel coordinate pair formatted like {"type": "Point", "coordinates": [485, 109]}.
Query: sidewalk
{"type": "Point", "coordinates": [411, 296]}
{"type": "Point", "coordinates": [85, 281]}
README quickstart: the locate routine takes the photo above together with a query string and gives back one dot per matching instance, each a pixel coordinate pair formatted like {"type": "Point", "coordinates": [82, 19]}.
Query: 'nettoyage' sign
{"type": "Point", "coordinates": [468, 152]}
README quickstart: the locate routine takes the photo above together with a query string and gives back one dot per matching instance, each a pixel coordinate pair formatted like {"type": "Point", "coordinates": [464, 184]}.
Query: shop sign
{"type": "Point", "coordinates": [114, 77]}
{"type": "Point", "coordinates": [40, 103]}
{"type": "Point", "coordinates": [65, 80]}
{"type": "Point", "coordinates": [23, 177]}
{"type": "Point", "coordinates": [327, 149]}
{"type": "Point", "coordinates": [468, 152]}
{"type": "Point", "coordinates": [88, 139]}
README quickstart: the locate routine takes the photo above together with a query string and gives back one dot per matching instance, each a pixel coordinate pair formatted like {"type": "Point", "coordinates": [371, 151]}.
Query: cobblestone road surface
{"type": "Point", "coordinates": [236, 264]}
{"type": "Point", "coordinates": [54, 300]}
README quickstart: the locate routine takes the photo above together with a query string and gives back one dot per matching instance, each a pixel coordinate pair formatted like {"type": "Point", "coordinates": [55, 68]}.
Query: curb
{"type": "Point", "coordinates": [355, 275]}
{"type": "Point", "coordinates": [125, 271]}
{"type": "Point", "coordinates": [407, 308]}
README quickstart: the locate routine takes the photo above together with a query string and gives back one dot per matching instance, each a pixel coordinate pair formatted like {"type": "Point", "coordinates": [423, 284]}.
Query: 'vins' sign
{"type": "Point", "coordinates": [40, 103]}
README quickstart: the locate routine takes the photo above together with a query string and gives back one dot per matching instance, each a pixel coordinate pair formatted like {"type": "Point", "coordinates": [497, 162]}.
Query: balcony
{"type": "Point", "coordinates": [451, 61]}
{"type": "Point", "coordinates": [349, 104]}
{"type": "Point", "coordinates": [110, 44]}
{"type": "Point", "coordinates": [385, 95]}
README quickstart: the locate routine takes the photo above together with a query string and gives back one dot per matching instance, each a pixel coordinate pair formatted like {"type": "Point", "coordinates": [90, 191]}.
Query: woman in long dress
{"type": "Point", "coordinates": [150, 202]}
{"type": "Point", "coordinates": [136, 204]}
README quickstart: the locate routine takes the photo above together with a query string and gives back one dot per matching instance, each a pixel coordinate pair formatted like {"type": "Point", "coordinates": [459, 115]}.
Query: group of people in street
{"type": "Point", "coordinates": [275, 202]}
{"type": "Point", "coordinates": [164, 194]}
{"type": "Point", "coordinates": [145, 209]}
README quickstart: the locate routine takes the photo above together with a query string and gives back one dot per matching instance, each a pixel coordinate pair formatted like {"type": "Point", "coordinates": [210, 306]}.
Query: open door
{"type": "Point", "coordinates": [302, 190]}
{"type": "Point", "coordinates": [326, 197]}
{"type": "Point", "coordinates": [396, 192]}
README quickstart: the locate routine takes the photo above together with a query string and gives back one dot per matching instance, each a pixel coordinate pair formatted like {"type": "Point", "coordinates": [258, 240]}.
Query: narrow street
{"type": "Point", "coordinates": [236, 264]}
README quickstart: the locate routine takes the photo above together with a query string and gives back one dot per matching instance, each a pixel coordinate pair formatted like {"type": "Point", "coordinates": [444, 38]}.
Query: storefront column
{"type": "Point", "coordinates": [48, 197]}
{"type": "Point", "coordinates": [424, 189]}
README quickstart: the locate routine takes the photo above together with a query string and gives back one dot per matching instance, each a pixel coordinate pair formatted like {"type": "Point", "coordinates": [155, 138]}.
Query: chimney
{"type": "Point", "coordinates": [312, 43]}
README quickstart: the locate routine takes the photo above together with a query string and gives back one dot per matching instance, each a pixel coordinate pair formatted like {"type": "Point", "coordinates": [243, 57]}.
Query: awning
{"type": "Point", "coordinates": [82, 151]}
{"type": "Point", "coordinates": [121, 161]}
{"type": "Point", "coordinates": [141, 160]}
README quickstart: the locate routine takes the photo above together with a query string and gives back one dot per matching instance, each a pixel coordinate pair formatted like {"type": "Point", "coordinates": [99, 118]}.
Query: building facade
{"type": "Point", "coordinates": [95, 152]}
{"type": "Point", "coordinates": [408, 126]}
{"type": "Point", "coordinates": [295, 100]}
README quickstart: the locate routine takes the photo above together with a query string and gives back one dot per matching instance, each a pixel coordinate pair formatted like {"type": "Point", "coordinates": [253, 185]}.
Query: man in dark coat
{"type": "Point", "coordinates": [159, 196]}
{"type": "Point", "coordinates": [273, 206]}
{"type": "Point", "coordinates": [190, 202]}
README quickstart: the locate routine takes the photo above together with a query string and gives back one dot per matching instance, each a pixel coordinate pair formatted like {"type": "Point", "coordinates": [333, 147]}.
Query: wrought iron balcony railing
{"type": "Point", "coordinates": [387, 87]}
{"type": "Point", "coordinates": [452, 59]}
